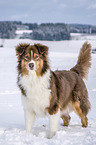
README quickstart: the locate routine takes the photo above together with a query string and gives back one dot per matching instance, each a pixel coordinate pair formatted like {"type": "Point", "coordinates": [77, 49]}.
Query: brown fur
{"type": "Point", "coordinates": [80, 114]}
{"type": "Point", "coordinates": [66, 86]}
{"type": "Point", "coordinates": [83, 63]}
{"type": "Point", "coordinates": [66, 119]}
{"type": "Point", "coordinates": [24, 49]}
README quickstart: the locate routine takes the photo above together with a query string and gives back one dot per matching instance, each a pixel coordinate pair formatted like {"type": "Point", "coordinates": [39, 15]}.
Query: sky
{"type": "Point", "coordinates": [47, 11]}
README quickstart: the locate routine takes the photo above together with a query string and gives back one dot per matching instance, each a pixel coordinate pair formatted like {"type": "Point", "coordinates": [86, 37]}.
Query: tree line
{"type": "Point", "coordinates": [44, 31]}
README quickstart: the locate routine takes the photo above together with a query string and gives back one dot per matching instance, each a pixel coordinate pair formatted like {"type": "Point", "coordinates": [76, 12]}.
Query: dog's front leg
{"type": "Point", "coordinates": [29, 119]}
{"type": "Point", "coordinates": [54, 123]}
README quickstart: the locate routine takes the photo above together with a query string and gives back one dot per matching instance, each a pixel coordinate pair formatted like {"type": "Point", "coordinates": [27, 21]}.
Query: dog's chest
{"type": "Point", "coordinates": [38, 92]}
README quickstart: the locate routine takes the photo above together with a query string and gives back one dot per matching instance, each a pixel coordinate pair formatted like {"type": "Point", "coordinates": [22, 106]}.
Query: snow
{"type": "Point", "coordinates": [62, 55]}
{"type": "Point", "coordinates": [82, 36]}
{"type": "Point", "coordinates": [23, 31]}
{"type": "Point", "coordinates": [20, 33]}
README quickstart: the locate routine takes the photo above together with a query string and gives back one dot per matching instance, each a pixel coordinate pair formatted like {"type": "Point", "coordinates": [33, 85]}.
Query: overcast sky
{"type": "Point", "coordinates": [42, 11]}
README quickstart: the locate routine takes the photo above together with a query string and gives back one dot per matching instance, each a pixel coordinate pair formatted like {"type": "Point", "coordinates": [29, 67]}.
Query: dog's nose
{"type": "Point", "coordinates": [31, 65]}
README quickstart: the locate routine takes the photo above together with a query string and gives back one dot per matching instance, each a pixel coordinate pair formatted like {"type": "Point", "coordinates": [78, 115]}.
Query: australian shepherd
{"type": "Point", "coordinates": [54, 94]}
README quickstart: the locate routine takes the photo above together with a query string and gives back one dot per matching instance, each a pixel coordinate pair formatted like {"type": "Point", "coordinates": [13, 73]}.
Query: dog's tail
{"type": "Point", "coordinates": [83, 63]}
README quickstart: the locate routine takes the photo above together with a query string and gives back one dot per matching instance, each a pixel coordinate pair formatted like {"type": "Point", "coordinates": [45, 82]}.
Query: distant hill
{"type": "Point", "coordinates": [51, 32]}
{"type": "Point", "coordinates": [48, 31]}
{"type": "Point", "coordinates": [81, 28]}
{"type": "Point", "coordinates": [7, 30]}
{"type": "Point", "coordinates": [44, 31]}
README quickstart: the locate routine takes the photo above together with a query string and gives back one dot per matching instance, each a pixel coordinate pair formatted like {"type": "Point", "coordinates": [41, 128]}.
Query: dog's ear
{"type": "Point", "coordinates": [20, 49]}
{"type": "Point", "coordinates": [42, 49]}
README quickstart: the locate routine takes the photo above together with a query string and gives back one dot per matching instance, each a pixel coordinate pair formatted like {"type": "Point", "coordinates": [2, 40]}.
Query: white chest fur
{"type": "Point", "coordinates": [38, 92]}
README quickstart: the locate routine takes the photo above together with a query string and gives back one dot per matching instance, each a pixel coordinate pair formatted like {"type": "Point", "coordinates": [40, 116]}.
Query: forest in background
{"type": "Point", "coordinates": [44, 31]}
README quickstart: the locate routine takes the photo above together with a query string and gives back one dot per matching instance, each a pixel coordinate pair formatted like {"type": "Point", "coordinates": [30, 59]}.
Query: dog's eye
{"type": "Point", "coordinates": [26, 57]}
{"type": "Point", "coordinates": [36, 57]}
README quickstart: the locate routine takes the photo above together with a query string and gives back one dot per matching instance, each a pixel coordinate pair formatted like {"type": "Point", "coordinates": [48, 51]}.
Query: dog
{"type": "Point", "coordinates": [54, 94]}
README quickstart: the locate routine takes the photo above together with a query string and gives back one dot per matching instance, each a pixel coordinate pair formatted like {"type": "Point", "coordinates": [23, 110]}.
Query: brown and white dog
{"type": "Point", "coordinates": [55, 94]}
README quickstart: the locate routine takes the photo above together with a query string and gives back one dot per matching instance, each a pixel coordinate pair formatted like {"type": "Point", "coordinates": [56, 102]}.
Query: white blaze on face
{"type": "Point", "coordinates": [31, 55]}
{"type": "Point", "coordinates": [31, 64]}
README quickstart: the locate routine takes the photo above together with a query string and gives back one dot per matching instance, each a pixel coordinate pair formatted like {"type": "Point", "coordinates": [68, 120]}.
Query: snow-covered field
{"type": "Point", "coordinates": [62, 55]}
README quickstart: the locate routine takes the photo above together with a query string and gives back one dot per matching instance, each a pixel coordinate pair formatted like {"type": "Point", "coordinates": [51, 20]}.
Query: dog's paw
{"type": "Point", "coordinates": [50, 136]}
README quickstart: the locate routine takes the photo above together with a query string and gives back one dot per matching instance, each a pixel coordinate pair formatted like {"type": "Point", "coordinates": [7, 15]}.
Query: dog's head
{"type": "Point", "coordinates": [32, 58]}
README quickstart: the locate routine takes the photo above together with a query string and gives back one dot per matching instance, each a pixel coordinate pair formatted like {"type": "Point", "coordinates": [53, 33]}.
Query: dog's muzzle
{"type": "Point", "coordinates": [31, 65]}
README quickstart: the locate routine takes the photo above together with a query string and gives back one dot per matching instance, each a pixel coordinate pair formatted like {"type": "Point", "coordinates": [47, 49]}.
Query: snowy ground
{"type": "Point", "coordinates": [62, 55]}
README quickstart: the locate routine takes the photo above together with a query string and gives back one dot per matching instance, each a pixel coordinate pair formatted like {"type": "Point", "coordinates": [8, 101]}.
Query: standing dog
{"type": "Point", "coordinates": [55, 94]}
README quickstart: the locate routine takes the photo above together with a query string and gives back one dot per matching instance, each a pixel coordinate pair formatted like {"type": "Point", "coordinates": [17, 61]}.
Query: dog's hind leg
{"type": "Point", "coordinates": [66, 119]}
{"type": "Point", "coordinates": [80, 113]}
